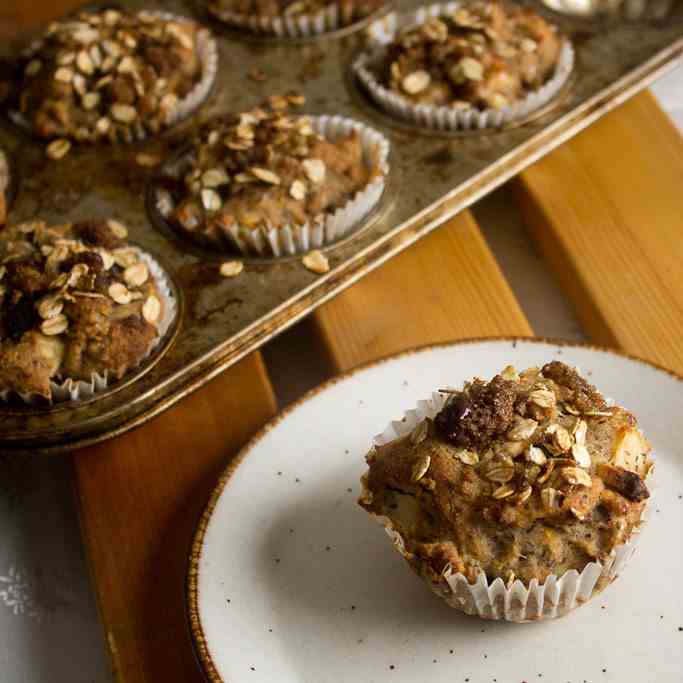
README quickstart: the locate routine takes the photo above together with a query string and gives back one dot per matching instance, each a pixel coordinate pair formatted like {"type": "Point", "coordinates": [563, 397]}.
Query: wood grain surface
{"type": "Point", "coordinates": [21, 16]}
{"type": "Point", "coordinates": [606, 211]}
{"type": "Point", "coordinates": [447, 286]}
{"type": "Point", "coordinates": [140, 498]}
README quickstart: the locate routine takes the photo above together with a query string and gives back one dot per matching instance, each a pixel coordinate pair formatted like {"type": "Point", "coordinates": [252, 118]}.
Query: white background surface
{"type": "Point", "coordinates": [49, 631]}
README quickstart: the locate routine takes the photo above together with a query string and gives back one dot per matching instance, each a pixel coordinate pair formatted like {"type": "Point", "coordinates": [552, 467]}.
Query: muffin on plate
{"type": "Point", "coordinates": [79, 308]}
{"type": "Point", "coordinates": [516, 498]}
{"type": "Point", "coordinates": [113, 76]}
{"type": "Point", "coordinates": [267, 182]}
{"type": "Point", "coordinates": [292, 18]}
{"type": "Point", "coordinates": [453, 63]}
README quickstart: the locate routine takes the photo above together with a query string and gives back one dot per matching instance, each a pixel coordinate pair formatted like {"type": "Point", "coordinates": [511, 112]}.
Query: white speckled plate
{"type": "Point", "coordinates": [290, 581]}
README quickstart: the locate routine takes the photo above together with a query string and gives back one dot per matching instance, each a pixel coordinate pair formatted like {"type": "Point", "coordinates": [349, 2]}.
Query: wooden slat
{"type": "Point", "coordinates": [140, 497]}
{"type": "Point", "coordinates": [606, 210]}
{"type": "Point", "coordinates": [17, 17]}
{"type": "Point", "coordinates": [447, 286]}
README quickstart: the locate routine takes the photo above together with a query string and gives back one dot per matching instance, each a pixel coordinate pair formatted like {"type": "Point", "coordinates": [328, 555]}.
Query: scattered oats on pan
{"type": "Point", "coordinates": [316, 262]}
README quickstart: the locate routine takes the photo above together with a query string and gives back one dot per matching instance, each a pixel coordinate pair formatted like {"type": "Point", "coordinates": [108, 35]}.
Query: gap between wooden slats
{"type": "Point", "coordinates": [606, 211]}
{"type": "Point", "coordinates": [447, 286]}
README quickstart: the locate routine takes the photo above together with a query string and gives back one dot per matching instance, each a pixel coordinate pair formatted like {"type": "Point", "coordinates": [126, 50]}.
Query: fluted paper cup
{"type": "Point", "coordinates": [628, 10]}
{"type": "Point", "coordinates": [515, 602]}
{"type": "Point", "coordinates": [70, 389]}
{"type": "Point", "coordinates": [446, 118]}
{"type": "Point", "coordinates": [291, 239]}
{"type": "Point", "coordinates": [330, 18]}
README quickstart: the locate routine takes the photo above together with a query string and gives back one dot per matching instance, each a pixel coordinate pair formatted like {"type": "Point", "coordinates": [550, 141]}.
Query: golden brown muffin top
{"type": "Point", "coordinates": [105, 76]}
{"type": "Point", "coordinates": [74, 299]}
{"type": "Point", "coordinates": [485, 54]}
{"type": "Point", "coordinates": [530, 473]}
{"type": "Point", "coordinates": [266, 168]}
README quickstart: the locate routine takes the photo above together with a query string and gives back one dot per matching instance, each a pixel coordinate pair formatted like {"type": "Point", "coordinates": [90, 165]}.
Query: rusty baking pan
{"type": "Point", "coordinates": [432, 177]}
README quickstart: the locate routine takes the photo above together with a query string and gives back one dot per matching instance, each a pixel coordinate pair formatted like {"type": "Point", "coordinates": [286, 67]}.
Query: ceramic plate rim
{"type": "Point", "coordinates": [197, 637]}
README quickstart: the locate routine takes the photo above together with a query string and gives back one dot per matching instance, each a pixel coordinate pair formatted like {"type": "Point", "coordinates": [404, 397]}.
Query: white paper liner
{"type": "Point", "coordinates": [382, 32]}
{"type": "Point", "coordinates": [292, 239]}
{"type": "Point", "coordinates": [614, 9]}
{"type": "Point", "coordinates": [327, 19]}
{"type": "Point", "coordinates": [73, 389]}
{"type": "Point", "coordinates": [517, 603]}
{"type": "Point", "coordinates": [207, 51]}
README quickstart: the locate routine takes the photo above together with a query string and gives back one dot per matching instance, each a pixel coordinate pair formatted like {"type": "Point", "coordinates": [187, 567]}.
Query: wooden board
{"type": "Point", "coordinates": [140, 498]}
{"type": "Point", "coordinates": [606, 211]}
{"type": "Point", "coordinates": [447, 286]}
{"type": "Point", "coordinates": [17, 17]}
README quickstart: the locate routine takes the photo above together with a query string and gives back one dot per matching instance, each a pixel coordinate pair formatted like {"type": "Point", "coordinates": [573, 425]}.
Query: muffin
{"type": "Point", "coordinates": [292, 18]}
{"type": "Point", "coordinates": [267, 182]}
{"type": "Point", "coordinates": [110, 76]}
{"type": "Point", "coordinates": [458, 62]}
{"type": "Point", "coordinates": [79, 307]}
{"type": "Point", "coordinates": [516, 498]}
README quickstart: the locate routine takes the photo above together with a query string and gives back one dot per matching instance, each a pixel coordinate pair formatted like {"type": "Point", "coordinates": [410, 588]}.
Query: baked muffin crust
{"type": "Point", "coordinates": [522, 477]}
{"type": "Point", "coordinates": [483, 55]}
{"type": "Point", "coordinates": [75, 299]}
{"type": "Point", "coordinates": [106, 76]}
{"type": "Point", "coordinates": [263, 169]}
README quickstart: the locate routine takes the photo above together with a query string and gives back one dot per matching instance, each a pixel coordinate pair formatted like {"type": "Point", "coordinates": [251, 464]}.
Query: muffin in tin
{"type": "Point", "coordinates": [292, 18]}
{"type": "Point", "coordinates": [460, 60]}
{"type": "Point", "coordinates": [110, 76]}
{"type": "Point", "coordinates": [78, 305]}
{"type": "Point", "coordinates": [525, 479]}
{"type": "Point", "coordinates": [268, 182]}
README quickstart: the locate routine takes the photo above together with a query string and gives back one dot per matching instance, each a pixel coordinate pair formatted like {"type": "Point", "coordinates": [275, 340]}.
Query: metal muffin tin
{"type": "Point", "coordinates": [432, 177]}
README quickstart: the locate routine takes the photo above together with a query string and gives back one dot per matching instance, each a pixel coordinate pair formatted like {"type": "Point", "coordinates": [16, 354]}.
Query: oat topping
{"type": "Point", "coordinates": [265, 168]}
{"type": "Point", "coordinates": [531, 472]}
{"type": "Point", "coordinates": [105, 76]}
{"type": "Point", "coordinates": [231, 268]}
{"type": "Point", "coordinates": [316, 262]}
{"type": "Point", "coordinates": [74, 299]}
{"type": "Point", "coordinates": [485, 54]}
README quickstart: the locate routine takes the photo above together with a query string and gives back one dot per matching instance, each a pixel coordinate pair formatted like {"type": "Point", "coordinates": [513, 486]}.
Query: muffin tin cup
{"type": "Point", "coordinates": [71, 389]}
{"type": "Point", "coordinates": [207, 51]}
{"type": "Point", "coordinates": [326, 20]}
{"type": "Point", "coordinates": [497, 600]}
{"type": "Point", "coordinates": [446, 118]}
{"type": "Point", "coordinates": [292, 239]}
